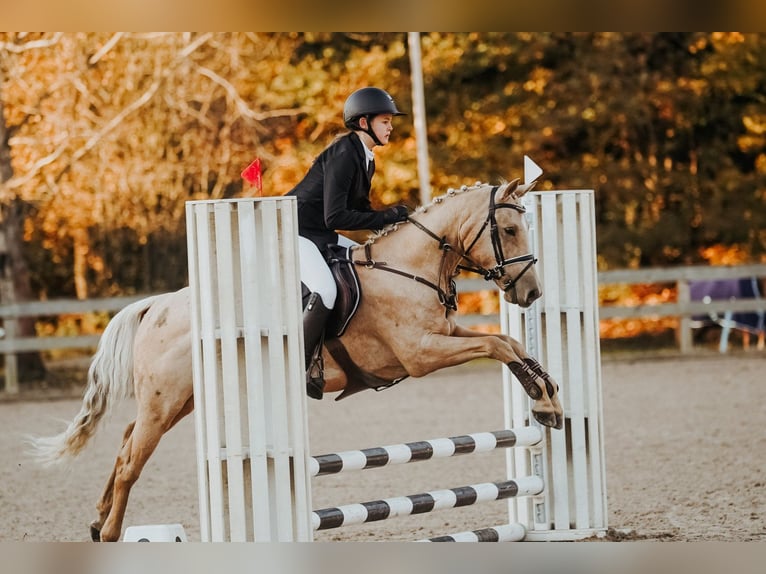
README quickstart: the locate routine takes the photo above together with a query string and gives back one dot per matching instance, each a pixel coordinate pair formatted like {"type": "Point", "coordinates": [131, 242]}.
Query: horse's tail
{"type": "Point", "coordinates": [110, 379]}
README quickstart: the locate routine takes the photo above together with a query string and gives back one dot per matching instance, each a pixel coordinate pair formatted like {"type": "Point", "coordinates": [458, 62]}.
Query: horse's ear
{"type": "Point", "coordinates": [524, 188]}
{"type": "Point", "coordinates": [508, 192]}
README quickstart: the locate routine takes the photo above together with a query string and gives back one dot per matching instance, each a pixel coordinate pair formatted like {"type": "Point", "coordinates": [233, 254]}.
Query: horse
{"type": "Point", "coordinates": [402, 327]}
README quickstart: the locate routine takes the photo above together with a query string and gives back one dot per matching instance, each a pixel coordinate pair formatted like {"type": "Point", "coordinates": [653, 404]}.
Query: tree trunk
{"type": "Point", "coordinates": [81, 248]}
{"type": "Point", "coordinates": [14, 273]}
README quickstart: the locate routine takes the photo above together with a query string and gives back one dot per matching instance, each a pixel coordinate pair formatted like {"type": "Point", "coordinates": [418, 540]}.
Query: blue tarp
{"type": "Point", "coordinates": [729, 289]}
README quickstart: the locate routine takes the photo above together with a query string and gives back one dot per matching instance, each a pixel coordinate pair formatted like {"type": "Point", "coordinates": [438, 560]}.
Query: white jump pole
{"type": "Point", "coordinates": [561, 331]}
{"type": "Point", "coordinates": [247, 348]}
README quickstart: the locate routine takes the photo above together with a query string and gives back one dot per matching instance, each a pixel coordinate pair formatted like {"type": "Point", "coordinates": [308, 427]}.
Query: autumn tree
{"type": "Point", "coordinates": [116, 132]}
{"type": "Point", "coordinates": [665, 127]}
{"type": "Point", "coordinates": [15, 284]}
{"type": "Point", "coordinates": [112, 133]}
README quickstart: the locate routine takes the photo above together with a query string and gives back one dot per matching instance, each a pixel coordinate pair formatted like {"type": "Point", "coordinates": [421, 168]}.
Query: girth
{"type": "Point", "coordinates": [357, 379]}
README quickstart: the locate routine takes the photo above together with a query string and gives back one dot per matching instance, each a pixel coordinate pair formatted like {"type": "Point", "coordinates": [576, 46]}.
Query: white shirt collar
{"type": "Point", "coordinates": [367, 153]}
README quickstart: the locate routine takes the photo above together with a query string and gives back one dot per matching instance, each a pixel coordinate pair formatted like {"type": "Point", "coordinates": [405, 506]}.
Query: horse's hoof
{"type": "Point", "coordinates": [95, 533]}
{"type": "Point", "coordinates": [550, 420]}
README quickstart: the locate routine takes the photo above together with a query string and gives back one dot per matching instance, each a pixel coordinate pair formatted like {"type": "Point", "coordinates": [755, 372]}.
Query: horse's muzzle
{"type": "Point", "coordinates": [513, 296]}
{"type": "Point", "coordinates": [532, 296]}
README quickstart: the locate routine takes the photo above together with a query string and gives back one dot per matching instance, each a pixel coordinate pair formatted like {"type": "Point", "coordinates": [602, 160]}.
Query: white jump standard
{"type": "Point", "coordinates": [249, 391]}
{"type": "Point", "coordinates": [561, 330]}
{"type": "Point", "coordinates": [254, 462]}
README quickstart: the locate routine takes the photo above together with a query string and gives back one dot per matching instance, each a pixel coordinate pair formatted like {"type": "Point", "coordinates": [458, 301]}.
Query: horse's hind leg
{"type": "Point", "coordinates": [139, 446]}
{"type": "Point", "coordinates": [130, 461]}
{"type": "Point", "coordinates": [104, 504]}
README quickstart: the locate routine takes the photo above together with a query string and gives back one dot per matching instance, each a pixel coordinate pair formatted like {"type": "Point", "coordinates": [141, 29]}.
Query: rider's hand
{"type": "Point", "coordinates": [395, 214]}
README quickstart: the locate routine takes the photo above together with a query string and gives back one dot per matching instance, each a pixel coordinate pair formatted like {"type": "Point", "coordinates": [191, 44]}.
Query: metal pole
{"type": "Point", "coordinates": [419, 117]}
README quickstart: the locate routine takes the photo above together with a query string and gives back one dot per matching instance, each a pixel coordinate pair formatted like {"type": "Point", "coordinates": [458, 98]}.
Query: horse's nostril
{"type": "Point", "coordinates": [534, 294]}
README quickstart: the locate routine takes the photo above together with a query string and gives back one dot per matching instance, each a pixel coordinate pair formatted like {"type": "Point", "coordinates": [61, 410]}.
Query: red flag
{"type": "Point", "coordinates": [252, 174]}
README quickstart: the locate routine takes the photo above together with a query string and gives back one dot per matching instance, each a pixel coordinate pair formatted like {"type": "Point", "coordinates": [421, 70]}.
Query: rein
{"type": "Point", "coordinates": [447, 298]}
{"type": "Point", "coordinates": [448, 294]}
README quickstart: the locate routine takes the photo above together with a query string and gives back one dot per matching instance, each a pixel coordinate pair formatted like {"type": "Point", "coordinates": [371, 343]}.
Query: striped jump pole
{"type": "Point", "coordinates": [561, 330]}
{"type": "Point", "coordinates": [423, 450]}
{"type": "Point", "coordinates": [502, 533]}
{"type": "Point", "coordinates": [375, 510]}
{"type": "Point", "coordinates": [247, 356]}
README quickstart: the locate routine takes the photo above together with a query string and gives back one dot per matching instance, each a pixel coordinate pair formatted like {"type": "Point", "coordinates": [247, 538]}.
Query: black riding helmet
{"type": "Point", "coordinates": [368, 103]}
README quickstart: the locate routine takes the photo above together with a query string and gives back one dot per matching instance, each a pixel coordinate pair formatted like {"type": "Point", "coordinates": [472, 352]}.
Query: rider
{"type": "Point", "coordinates": [334, 194]}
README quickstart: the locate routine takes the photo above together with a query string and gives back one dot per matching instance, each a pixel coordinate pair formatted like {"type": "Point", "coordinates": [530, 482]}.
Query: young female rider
{"type": "Point", "coordinates": [334, 194]}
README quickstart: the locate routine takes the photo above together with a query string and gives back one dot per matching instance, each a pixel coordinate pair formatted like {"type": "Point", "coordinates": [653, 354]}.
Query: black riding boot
{"type": "Point", "coordinates": [314, 317]}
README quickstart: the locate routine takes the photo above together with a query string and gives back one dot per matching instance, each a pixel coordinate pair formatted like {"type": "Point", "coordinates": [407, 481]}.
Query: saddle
{"type": "Point", "coordinates": [349, 291]}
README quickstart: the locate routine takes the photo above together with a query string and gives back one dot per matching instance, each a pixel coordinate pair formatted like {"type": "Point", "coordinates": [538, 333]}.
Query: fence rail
{"type": "Point", "coordinates": [11, 345]}
{"type": "Point", "coordinates": [684, 308]}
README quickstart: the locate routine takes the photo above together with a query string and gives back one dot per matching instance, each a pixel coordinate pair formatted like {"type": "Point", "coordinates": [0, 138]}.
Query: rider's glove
{"type": "Point", "coordinates": [395, 214]}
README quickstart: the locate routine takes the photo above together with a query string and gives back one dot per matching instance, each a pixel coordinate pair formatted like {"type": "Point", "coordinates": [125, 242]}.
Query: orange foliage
{"type": "Point", "coordinates": [725, 255]}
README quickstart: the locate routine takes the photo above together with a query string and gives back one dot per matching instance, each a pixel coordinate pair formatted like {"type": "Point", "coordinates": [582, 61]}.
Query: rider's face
{"type": "Point", "coordinates": [383, 126]}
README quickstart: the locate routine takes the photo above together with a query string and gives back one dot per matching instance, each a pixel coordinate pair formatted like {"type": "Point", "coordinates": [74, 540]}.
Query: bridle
{"type": "Point", "coordinates": [500, 261]}
{"type": "Point", "coordinates": [448, 294]}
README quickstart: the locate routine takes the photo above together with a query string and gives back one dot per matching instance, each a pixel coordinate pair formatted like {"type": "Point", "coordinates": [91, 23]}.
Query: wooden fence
{"type": "Point", "coordinates": [11, 345]}
{"type": "Point", "coordinates": [684, 308]}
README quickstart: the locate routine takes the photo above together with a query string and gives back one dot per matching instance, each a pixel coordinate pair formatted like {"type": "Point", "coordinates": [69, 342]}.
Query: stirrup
{"type": "Point", "coordinates": [315, 377]}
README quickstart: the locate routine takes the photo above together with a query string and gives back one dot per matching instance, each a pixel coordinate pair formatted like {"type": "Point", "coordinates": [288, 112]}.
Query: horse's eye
{"type": "Point", "coordinates": [510, 231]}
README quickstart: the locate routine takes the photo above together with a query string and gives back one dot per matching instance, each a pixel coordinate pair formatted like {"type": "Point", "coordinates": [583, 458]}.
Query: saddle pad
{"type": "Point", "coordinates": [349, 291]}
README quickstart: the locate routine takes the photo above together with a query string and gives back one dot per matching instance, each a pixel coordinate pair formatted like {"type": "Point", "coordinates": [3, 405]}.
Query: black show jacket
{"type": "Point", "coordinates": [334, 194]}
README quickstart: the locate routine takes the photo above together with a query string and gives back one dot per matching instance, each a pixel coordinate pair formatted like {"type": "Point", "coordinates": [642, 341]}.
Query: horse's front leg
{"type": "Point", "coordinates": [537, 383]}
{"type": "Point", "coordinates": [438, 351]}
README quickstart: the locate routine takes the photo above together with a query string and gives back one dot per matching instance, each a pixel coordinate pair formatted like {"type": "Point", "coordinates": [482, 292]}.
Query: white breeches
{"type": "Point", "coordinates": [314, 271]}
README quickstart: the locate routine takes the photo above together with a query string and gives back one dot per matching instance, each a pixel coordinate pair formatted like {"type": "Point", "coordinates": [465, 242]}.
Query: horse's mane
{"type": "Point", "coordinates": [451, 192]}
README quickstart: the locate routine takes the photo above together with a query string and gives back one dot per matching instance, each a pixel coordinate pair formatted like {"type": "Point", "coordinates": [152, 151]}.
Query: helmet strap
{"type": "Point", "coordinates": [369, 130]}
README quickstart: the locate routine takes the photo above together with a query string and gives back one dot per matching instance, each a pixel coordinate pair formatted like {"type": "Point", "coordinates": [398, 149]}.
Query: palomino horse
{"type": "Point", "coordinates": [402, 328]}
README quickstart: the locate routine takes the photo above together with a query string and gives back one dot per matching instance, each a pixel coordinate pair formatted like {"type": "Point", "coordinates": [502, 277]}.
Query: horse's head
{"type": "Point", "coordinates": [501, 247]}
